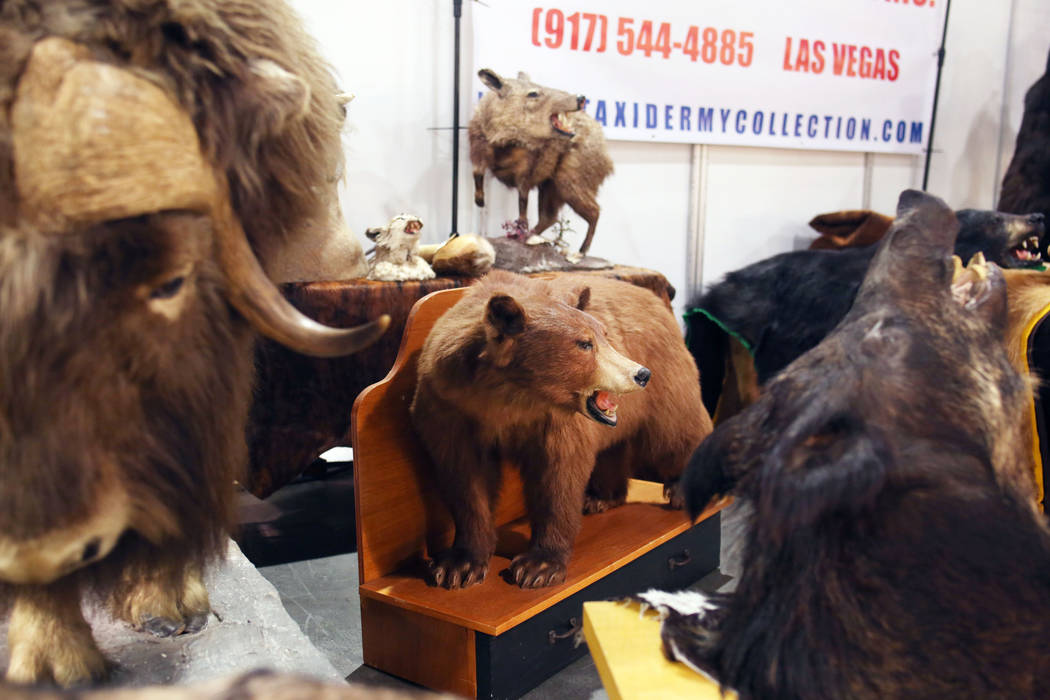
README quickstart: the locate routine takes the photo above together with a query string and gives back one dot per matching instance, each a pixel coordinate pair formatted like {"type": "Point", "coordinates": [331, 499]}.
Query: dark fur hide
{"type": "Point", "coordinates": [784, 305]}
{"type": "Point", "coordinates": [1026, 184]}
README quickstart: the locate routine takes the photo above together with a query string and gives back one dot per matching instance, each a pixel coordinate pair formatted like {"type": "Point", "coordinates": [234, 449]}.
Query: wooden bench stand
{"type": "Point", "coordinates": [494, 639]}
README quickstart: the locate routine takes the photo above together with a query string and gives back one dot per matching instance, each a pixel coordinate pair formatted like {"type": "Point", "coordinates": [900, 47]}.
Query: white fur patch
{"type": "Point", "coordinates": [682, 602]}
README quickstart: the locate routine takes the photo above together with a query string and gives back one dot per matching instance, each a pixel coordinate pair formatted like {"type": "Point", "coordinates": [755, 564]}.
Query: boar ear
{"type": "Point", "coordinates": [492, 79]}
{"type": "Point", "coordinates": [505, 315]}
{"type": "Point", "coordinates": [837, 467]}
{"type": "Point", "coordinates": [584, 299]}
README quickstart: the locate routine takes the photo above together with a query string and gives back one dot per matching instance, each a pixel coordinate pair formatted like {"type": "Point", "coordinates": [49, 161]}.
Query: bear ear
{"type": "Point", "coordinates": [584, 299]}
{"type": "Point", "coordinates": [505, 315]}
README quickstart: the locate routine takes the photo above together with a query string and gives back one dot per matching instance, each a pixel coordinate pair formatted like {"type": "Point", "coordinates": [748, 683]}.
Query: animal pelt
{"type": "Point", "coordinates": [1026, 184]}
{"type": "Point", "coordinates": [784, 305]}
{"type": "Point", "coordinates": [533, 136]}
{"type": "Point", "coordinates": [893, 548]}
{"type": "Point", "coordinates": [396, 258]}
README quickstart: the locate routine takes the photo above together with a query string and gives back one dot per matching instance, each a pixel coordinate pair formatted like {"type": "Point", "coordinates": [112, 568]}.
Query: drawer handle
{"type": "Point", "coordinates": [574, 627]}
{"type": "Point", "coordinates": [673, 562]}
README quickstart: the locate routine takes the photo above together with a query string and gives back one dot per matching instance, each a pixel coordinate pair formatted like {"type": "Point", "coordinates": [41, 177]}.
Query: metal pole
{"type": "Point", "coordinates": [936, 94]}
{"type": "Point", "coordinates": [457, 13]}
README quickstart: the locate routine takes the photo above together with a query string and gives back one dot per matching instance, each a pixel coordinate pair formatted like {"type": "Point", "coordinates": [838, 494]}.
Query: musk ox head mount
{"type": "Point", "coordinates": [153, 155]}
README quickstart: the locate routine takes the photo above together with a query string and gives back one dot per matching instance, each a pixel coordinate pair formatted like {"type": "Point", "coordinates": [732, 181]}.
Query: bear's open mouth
{"type": "Point", "coordinates": [1028, 251]}
{"type": "Point", "coordinates": [601, 406]}
{"type": "Point", "coordinates": [558, 122]}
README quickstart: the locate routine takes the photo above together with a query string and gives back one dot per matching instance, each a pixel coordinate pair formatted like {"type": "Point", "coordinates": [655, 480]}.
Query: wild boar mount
{"type": "Point", "coordinates": [893, 547]}
{"type": "Point", "coordinates": [153, 155]}
{"type": "Point", "coordinates": [533, 136]}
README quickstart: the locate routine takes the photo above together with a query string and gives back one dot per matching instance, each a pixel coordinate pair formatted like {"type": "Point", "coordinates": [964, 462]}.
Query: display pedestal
{"type": "Point", "coordinates": [494, 639]}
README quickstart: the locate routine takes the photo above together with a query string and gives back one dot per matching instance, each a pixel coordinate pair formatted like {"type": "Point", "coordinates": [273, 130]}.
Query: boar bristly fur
{"type": "Point", "coordinates": [533, 136]}
{"type": "Point", "coordinates": [893, 546]}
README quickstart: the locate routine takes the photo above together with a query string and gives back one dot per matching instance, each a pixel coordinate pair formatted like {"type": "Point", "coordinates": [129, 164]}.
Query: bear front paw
{"type": "Point", "coordinates": [456, 568]}
{"type": "Point", "coordinates": [537, 569]}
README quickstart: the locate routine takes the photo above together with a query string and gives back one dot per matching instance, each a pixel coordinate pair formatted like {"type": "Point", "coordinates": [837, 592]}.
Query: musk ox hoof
{"type": "Point", "coordinates": [479, 199]}
{"type": "Point", "coordinates": [456, 568]}
{"type": "Point", "coordinates": [162, 626]}
{"type": "Point", "coordinates": [536, 570]}
{"type": "Point", "coordinates": [66, 660]}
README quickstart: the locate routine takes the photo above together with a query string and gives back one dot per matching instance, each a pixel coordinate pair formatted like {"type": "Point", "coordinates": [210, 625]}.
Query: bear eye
{"type": "Point", "coordinates": [585, 345]}
{"type": "Point", "coordinates": [533, 93]}
{"type": "Point", "coordinates": [168, 289]}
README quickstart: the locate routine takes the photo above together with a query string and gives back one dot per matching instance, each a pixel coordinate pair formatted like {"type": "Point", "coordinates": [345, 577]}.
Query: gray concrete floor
{"type": "Point", "coordinates": [320, 592]}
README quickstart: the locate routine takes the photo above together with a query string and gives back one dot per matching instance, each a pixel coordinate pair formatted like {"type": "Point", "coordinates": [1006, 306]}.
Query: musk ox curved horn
{"type": "Point", "coordinates": [93, 142]}
{"type": "Point", "coordinates": [258, 299]}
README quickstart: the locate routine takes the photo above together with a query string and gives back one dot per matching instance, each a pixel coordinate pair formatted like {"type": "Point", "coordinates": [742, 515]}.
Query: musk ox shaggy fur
{"type": "Point", "coordinates": [893, 547]}
{"type": "Point", "coordinates": [532, 136]}
{"type": "Point", "coordinates": [154, 156]}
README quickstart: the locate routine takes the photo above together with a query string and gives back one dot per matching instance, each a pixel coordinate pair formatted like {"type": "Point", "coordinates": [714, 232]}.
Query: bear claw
{"type": "Point", "coordinates": [536, 570]}
{"type": "Point", "coordinates": [456, 569]}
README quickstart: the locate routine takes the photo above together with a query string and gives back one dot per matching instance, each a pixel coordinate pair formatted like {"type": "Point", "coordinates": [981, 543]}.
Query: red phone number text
{"type": "Point", "coordinates": [589, 31]}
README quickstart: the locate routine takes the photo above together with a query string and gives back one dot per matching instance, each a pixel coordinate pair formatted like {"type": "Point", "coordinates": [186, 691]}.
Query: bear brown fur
{"type": "Point", "coordinates": [513, 372]}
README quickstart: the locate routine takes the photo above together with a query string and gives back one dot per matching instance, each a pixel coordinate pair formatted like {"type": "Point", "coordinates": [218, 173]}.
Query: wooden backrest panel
{"type": "Point", "coordinates": [398, 513]}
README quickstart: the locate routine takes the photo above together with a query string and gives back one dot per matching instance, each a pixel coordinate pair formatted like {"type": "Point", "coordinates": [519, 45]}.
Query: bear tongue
{"type": "Point", "coordinates": [605, 401]}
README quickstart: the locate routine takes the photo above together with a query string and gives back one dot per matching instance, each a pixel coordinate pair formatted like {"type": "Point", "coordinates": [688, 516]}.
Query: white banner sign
{"type": "Point", "coordinates": [853, 75]}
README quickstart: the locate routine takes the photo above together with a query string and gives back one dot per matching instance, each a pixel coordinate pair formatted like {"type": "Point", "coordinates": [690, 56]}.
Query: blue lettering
{"type": "Point", "coordinates": [724, 113]}
{"type": "Point", "coordinates": [827, 125]}
{"type": "Point", "coordinates": [887, 130]}
{"type": "Point", "coordinates": [916, 132]}
{"type": "Point", "coordinates": [621, 116]}
{"type": "Point", "coordinates": [599, 112]}
{"type": "Point", "coordinates": [650, 116]}
{"type": "Point", "coordinates": [686, 114]}
{"type": "Point", "coordinates": [668, 117]}
{"type": "Point", "coordinates": [851, 128]}
{"type": "Point", "coordinates": [756, 123]}
{"type": "Point", "coordinates": [784, 124]}
{"type": "Point", "coordinates": [902, 132]}
{"type": "Point", "coordinates": [798, 125]}
{"type": "Point", "coordinates": [865, 129]}
{"type": "Point", "coordinates": [741, 117]}
{"type": "Point", "coordinates": [811, 126]}
{"type": "Point", "coordinates": [705, 119]}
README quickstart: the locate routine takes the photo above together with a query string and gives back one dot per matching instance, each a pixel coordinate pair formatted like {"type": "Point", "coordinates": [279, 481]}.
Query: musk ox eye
{"type": "Point", "coordinates": [168, 289]}
{"type": "Point", "coordinates": [534, 93]}
{"type": "Point", "coordinates": [585, 345]}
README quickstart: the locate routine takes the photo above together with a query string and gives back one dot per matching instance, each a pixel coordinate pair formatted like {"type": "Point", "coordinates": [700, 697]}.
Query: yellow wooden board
{"type": "Point", "coordinates": [626, 649]}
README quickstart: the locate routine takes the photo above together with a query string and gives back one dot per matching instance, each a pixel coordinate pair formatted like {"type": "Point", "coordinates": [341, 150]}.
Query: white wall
{"type": "Point", "coordinates": [396, 56]}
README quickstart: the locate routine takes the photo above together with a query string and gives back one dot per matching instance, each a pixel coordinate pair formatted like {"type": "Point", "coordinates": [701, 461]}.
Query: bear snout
{"type": "Point", "coordinates": [641, 377]}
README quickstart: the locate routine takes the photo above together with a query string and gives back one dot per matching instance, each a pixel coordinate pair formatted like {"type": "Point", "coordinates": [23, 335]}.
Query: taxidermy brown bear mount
{"type": "Point", "coordinates": [579, 382]}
